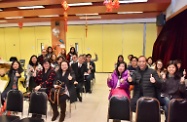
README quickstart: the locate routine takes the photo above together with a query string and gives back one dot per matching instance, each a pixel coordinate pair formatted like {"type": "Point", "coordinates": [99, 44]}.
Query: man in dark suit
{"type": "Point", "coordinates": [90, 65]}
{"type": "Point", "coordinates": [79, 69]}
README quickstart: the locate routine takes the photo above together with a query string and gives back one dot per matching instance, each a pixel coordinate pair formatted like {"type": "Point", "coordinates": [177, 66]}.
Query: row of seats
{"type": "Point", "coordinates": [14, 103]}
{"type": "Point", "coordinates": [148, 110]}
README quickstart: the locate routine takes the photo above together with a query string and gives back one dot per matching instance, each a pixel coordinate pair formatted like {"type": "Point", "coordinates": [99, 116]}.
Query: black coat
{"type": "Point", "coordinates": [79, 75]}
{"type": "Point", "coordinates": [69, 84]}
{"type": "Point", "coordinates": [143, 86]}
{"type": "Point", "coordinates": [93, 68]}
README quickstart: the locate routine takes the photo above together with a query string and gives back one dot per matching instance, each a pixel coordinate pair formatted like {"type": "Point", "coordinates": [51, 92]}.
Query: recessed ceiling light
{"type": "Point", "coordinates": [3, 21]}
{"type": "Point", "coordinates": [30, 7]}
{"type": "Point", "coordinates": [18, 17]}
{"type": "Point", "coordinates": [48, 16]}
{"type": "Point", "coordinates": [90, 17]}
{"type": "Point", "coordinates": [132, 1]}
{"type": "Point", "coordinates": [87, 14]}
{"type": "Point", "coordinates": [80, 4]}
{"type": "Point", "coordinates": [131, 12]}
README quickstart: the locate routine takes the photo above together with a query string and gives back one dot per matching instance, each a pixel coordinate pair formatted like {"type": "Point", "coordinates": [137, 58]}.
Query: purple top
{"type": "Point", "coordinates": [113, 82]}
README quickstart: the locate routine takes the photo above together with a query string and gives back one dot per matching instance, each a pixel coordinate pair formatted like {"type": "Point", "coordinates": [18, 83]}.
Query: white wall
{"type": "Point", "coordinates": [175, 6]}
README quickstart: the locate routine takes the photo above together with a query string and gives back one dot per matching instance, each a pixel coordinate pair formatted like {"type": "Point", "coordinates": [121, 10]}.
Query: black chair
{"type": "Point", "coordinates": [148, 110]}
{"type": "Point", "coordinates": [119, 109]}
{"type": "Point", "coordinates": [14, 103]}
{"type": "Point", "coordinates": [177, 110]}
{"type": "Point", "coordinates": [37, 105]}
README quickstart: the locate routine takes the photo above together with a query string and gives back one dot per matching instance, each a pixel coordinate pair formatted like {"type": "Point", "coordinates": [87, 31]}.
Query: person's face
{"type": "Point", "coordinates": [34, 60]}
{"type": "Point", "coordinates": [159, 65]}
{"type": "Point", "coordinates": [171, 69]}
{"type": "Point", "coordinates": [150, 61]}
{"type": "Point", "coordinates": [53, 57]}
{"type": "Point", "coordinates": [50, 50]}
{"type": "Point", "coordinates": [63, 51]}
{"type": "Point", "coordinates": [64, 66]}
{"type": "Point", "coordinates": [15, 65]}
{"type": "Point", "coordinates": [74, 58]}
{"type": "Point", "coordinates": [121, 68]}
{"type": "Point", "coordinates": [81, 60]}
{"type": "Point", "coordinates": [134, 62]}
{"type": "Point", "coordinates": [179, 65]}
{"type": "Point", "coordinates": [120, 59]}
{"type": "Point", "coordinates": [142, 63]}
{"type": "Point", "coordinates": [88, 58]}
{"type": "Point", "coordinates": [46, 65]}
{"type": "Point", "coordinates": [72, 50]}
{"type": "Point", "coordinates": [44, 52]}
{"type": "Point", "coordinates": [129, 57]}
{"type": "Point", "coordinates": [60, 60]}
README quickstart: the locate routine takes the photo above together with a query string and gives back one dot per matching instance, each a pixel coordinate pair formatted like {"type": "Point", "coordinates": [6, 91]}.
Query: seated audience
{"type": "Point", "coordinates": [70, 54]}
{"type": "Point", "coordinates": [173, 85]}
{"type": "Point", "coordinates": [150, 62]}
{"type": "Point", "coordinates": [14, 80]}
{"type": "Point", "coordinates": [119, 60]}
{"type": "Point", "coordinates": [180, 70]}
{"type": "Point", "coordinates": [33, 67]}
{"type": "Point", "coordinates": [42, 57]}
{"type": "Point", "coordinates": [49, 52]}
{"type": "Point", "coordinates": [74, 59]}
{"type": "Point", "coordinates": [62, 53]}
{"type": "Point", "coordinates": [79, 69]}
{"type": "Point", "coordinates": [129, 58]}
{"type": "Point", "coordinates": [64, 89]}
{"type": "Point", "coordinates": [145, 81]}
{"type": "Point", "coordinates": [59, 61]}
{"type": "Point", "coordinates": [134, 64]}
{"type": "Point", "coordinates": [90, 73]}
{"type": "Point", "coordinates": [53, 61]}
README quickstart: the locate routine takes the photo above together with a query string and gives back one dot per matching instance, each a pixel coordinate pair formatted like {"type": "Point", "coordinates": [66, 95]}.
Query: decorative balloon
{"type": "Point", "coordinates": [110, 4]}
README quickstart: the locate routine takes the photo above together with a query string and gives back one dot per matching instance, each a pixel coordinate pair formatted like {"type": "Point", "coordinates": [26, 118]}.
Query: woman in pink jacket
{"type": "Point", "coordinates": [118, 79]}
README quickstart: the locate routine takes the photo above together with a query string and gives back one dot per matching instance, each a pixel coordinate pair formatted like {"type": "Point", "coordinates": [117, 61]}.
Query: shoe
{"type": "Point", "coordinates": [55, 117]}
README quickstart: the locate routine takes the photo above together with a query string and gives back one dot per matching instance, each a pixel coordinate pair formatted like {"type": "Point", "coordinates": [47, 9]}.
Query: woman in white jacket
{"type": "Point", "coordinates": [32, 67]}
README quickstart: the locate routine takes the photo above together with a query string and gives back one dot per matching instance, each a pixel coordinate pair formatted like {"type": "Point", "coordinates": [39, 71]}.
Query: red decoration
{"type": "Point", "coordinates": [20, 24]}
{"type": "Point", "coordinates": [86, 27]}
{"type": "Point", "coordinates": [110, 4]}
{"type": "Point", "coordinates": [65, 5]}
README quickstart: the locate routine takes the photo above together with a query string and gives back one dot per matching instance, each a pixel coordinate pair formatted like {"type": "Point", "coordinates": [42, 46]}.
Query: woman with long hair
{"type": "Point", "coordinates": [14, 80]}
{"type": "Point", "coordinates": [173, 85]}
{"type": "Point", "coordinates": [159, 67]}
{"type": "Point", "coordinates": [49, 52]}
{"type": "Point", "coordinates": [70, 54]}
{"type": "Point", "coordinates": [119, 60]}
{"type": "Point", "coordinates": [64, 89]}
{"type": "Point", "coordinates": [62, 53]}
{"type": "Point", "coordinates": [32, 67]}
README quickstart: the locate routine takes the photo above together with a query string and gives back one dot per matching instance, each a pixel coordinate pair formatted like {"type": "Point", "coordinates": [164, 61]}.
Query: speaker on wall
{"type": "Point", "coordinates": [161, 19]}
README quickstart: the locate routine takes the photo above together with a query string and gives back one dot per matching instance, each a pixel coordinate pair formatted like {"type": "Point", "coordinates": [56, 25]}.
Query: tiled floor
{"type": "Point", "coordinates": [94, 106]}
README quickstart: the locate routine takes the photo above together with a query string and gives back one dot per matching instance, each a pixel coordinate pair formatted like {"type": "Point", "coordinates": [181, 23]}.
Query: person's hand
{"type": "Point", "coordinates": [75, 82]}
{"type": "Point", "coordinates": [152, 79]}
{"type": "Point", "coordinates": [37, 88]}
{"type": "Point", "coordinates": [34, 74]}
{"type": "Point", "coordinates": [17, 74]}
{"type": "Point", "coordinates": [109, 77]}
{"type": "Point", "coordinates": [91, 67]}
{"type": "Point", "coordinates": [70, 77]}
{"type": "Point", "coordinates": [182, 81]}
{"type": "Point", "coordinates": [122, 80]}
{"type": "Point", "coordinates": [184, 72]}
{"type": "Point", "coordinates": [89, 71]}
{"type": "Point", "coordinates": [163, 76]}
{"type": "Point", "coordinates": [57, 86]}
{"type": "Point", "coordinates": [129, 77]}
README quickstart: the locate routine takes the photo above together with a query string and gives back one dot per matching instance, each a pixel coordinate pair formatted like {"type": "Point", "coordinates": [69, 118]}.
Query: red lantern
{"type": "Point", "coordinates": [65, 5]}
{"type": "Point", "coordinates": [20, 24]}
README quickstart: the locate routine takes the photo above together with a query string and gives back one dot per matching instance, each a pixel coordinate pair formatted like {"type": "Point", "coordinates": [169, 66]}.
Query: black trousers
{"type": "Point", "coordinates": [79, 87]}
{"type": "Point", "coordinates": [88, 79]}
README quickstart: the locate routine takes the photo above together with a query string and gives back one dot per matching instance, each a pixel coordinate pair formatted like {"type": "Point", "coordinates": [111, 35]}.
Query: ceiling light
{"type": "Point", "coordinates": [48, 16]}
{"type": "Point", "coordinates": [31, 7]}
{"type": "Point", "coordinates": [18, 17]}
{"type": "Point", "coordinates": [87, 14]}
{"type": "Point", "coordinates": [91, 17]}
{"type": "Point", "coordinates": [1, 10]}
{"type": "Point", "coordinates": [3, 21]}
{"type": "Point", "coordinates": [80, 4]}
{"type": "Point", "coordinates": [132, 1]}
{"type": "Point", "coordinates": [131, 12]}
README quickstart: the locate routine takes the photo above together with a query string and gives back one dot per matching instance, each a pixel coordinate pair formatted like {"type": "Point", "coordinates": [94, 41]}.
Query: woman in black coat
{"type": "Point", "coordinates": [65, 91]}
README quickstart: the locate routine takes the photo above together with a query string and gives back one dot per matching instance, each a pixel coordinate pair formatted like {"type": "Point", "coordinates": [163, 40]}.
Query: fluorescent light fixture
{"type": "Point", "coordinates": [18, 17]}
{"type": "Point", "coordinates": [1, 10]}
{"type": "Point", "coordinates": [30, 7]}
{"type": "Point", "coordinates": [88, 14]}
{"type": "Point", "coordinates": [90, 17]}
{"type": "Point", "coordinates": [132, 1]}
{"type": "Point", "coordinates": [2, 21]}
{"type": "Point", "coordinates": [48, 16]}
{"type": "Point", "coordinates": [80, 4]}
{"type": "Point", "coordinates": [131, 12]}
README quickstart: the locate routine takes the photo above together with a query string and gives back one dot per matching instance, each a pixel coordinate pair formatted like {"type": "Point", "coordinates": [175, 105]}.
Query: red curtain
{"type": "Point", "coordinates": [171, 43]}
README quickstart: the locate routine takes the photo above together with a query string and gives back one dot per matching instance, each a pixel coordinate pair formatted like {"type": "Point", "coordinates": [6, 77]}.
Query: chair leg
{"type": "Point", "coordinates": [69, 109]}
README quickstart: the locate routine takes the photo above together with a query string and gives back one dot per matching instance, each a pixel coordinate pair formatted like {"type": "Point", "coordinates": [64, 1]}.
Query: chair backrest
{"type": "Point", "coordinates": [38, 103]}
{"type": "Point", "coordinates": [22, 62]}
{"type": "Point", "coordinates": [177, 110]}
{"type": "Point", "coordinates": [119, 108]}
{"type": "Point", "coordinates": [148, 110]}
{"type": "Point", "coordinates": [14, 101]}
